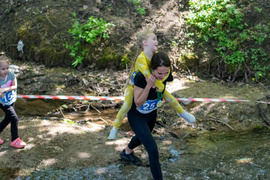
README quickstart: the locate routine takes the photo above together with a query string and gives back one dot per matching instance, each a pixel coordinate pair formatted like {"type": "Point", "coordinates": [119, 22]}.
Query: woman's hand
{"type": "Point", "coordinates": [140, 94]}
{"type": "Point", "coordinates": [151, 81]}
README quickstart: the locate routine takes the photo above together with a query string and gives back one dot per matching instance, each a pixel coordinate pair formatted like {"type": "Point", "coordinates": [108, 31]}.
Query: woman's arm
{"type": "Point", "coordinates": [141, 94]}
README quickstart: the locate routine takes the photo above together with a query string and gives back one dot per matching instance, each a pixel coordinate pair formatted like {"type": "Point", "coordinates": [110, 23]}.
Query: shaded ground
{"type": "Point", "coordinates": [55, 141]}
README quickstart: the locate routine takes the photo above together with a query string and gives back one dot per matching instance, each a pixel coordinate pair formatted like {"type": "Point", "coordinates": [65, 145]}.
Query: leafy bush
{"type": "Point", "coordinates": [89, 32]}
{"type": "Point", "coordinates": [141, 10]}
{"type": "Point", "coordinates": [222, 21]}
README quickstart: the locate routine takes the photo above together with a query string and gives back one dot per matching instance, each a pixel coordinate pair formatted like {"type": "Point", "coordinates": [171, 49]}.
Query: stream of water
{"type": "Point", "coordinates": [227, 156]}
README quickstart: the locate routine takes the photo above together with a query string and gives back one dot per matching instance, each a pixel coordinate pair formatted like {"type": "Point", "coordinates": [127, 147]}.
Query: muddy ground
{"type": "Point", "coordinates": [66, 134]}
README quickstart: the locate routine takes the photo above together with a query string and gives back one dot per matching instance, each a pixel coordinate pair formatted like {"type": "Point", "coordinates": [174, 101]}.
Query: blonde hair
{"type": "Point", "coordinates": [143, 35]}
{"type": "Point", "coordinates": [4, 58]}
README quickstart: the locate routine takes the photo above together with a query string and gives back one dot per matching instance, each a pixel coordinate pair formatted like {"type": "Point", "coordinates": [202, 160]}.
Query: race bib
{"type": "Point", "coordinates": [149, 106]}
{"type": "Point", "coordinates": [9, 98]}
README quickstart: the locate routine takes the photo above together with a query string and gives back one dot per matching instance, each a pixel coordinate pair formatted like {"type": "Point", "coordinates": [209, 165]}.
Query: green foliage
{"type": "Point", "coordinates": [136, 2]}
{"type": "Point", "coordinates": [258, 9]}
{"type": "Point", "coordinates": [173, 43]}
{"type": "Point", "coordinates": [222, 21]}
{"type": "Point", "coordinates": [124, 61]}
{"type": "Point", "coordinates": [69, 121]}
{"type": "Point", "coordinates": [88, 32]}
{"type": "Point", "coordinates": [85, 102]}
{"type": "Point", "coordinates": [258, 76]}
{"type": "Point", "coordinates": [64, 106]}
{"type": "Point", "coordinates": [141, 10]}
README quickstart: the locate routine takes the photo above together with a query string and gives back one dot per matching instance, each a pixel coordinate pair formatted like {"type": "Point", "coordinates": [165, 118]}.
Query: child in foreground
{"type": "Point", "coordinates": [143, 114]}
{"type": "Point", "coordinates": [147, 40]}
{"type": "Point", "coordinates": [8, 96]}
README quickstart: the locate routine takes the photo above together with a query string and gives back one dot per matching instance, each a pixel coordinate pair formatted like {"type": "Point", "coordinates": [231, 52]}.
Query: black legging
{"type": "Point", "coordinates": [10, 117]}
{"type": "Point", "coordinates": [142, 125]}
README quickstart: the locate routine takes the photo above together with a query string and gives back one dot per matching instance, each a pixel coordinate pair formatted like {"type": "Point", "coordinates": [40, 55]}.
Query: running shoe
{"type": "Point", "coordinates": [17, 143]}
{"type": "Point", "coordinates": [131, 158]}
{"type": "Point", "coordinates": [113, 133]}
{"type": "Point", "coordinates": [188, 117]}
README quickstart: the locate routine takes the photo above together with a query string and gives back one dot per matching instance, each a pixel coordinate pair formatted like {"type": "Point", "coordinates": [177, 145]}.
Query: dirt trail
{"type": "Point", "coordinates": [54, 143]}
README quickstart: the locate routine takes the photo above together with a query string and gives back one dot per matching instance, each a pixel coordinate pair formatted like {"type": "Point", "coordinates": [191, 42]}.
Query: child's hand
{"type": "Point", "coordinates": [2, 93]}
{"type": "Point", "coordinates": [151, 80]}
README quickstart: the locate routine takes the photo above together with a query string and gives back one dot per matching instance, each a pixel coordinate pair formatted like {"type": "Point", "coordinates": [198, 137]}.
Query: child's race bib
{"type": "Point", "coordinates": [9, 98]}
{"type": "Point", "coordinates": [149, 106]}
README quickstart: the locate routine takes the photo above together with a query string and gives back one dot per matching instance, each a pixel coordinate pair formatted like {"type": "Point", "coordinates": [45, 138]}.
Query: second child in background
{"type": "Point", "coordinates": [8, 96]}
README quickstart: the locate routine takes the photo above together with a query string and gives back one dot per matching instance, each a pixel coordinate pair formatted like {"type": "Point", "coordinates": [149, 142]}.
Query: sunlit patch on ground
{"type": "Point", "coordinates": [244, 160]}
